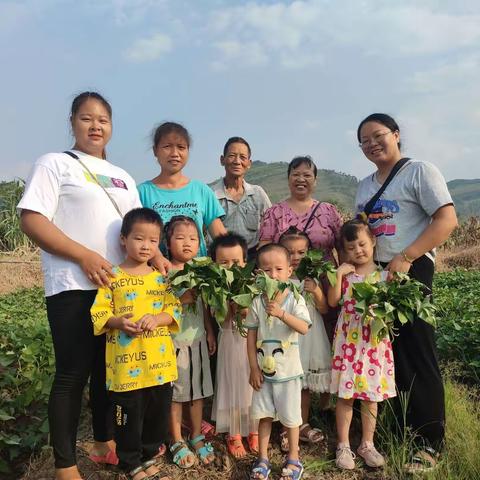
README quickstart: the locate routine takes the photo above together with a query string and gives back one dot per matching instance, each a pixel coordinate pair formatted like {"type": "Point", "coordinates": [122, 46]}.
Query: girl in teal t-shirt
{"type": "Point", "coordinates": [171, 193]}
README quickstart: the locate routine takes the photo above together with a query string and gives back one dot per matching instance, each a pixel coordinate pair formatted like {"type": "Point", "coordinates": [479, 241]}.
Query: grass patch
{"type": "Point", "coordinates": [460, 459]}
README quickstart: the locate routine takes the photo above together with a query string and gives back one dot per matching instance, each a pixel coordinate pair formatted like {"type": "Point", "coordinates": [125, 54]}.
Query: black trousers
{"type": "Point", "coordinates": [417, 373]}
{"type": "Point", "coordinates": [78, 356]}
{"type": "Point", "coordinates": [141, 423]}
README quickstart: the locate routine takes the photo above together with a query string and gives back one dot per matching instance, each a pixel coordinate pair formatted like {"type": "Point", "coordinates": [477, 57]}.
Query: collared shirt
{"type": "Point", "coordinates": [243, 217]}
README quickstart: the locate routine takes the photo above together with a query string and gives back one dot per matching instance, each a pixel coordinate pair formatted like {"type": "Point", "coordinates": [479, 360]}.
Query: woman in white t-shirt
{"type": "Point", "coordinates": [72, 209]}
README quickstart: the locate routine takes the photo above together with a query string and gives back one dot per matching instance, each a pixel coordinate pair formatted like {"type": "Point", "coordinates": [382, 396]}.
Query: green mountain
{"type": "Point", "coordinates": [466, 195]}
{"type": "Point", "coordinates": [340, 188]}
{"type": "Point", "coordinates": [333, 187]}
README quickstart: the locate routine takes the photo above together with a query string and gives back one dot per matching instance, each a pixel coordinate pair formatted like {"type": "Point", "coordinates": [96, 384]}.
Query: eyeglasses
{"type": "Point", "coordinates": [376, 138]}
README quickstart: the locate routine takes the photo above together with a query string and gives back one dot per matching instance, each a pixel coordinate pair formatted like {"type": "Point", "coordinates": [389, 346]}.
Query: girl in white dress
{"type": "Point", "coordinates": [315, 350]}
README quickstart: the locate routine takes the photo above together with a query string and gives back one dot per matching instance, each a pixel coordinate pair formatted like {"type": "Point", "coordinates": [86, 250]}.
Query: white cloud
{"type": "Point", "coordinates": [149, 48]}
{"type": "Point", "coordinates": [458, 73]}
{"type": "Point", "coordinates": [296, 34]}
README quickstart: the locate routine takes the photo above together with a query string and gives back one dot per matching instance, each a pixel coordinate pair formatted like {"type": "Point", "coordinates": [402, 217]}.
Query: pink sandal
{"type": "Point", "coordinates": [110, 458]}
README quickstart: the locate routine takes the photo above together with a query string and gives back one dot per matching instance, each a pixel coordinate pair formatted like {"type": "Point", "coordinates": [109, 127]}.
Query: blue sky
{"type": "Point", "coordinates": [291, 77]}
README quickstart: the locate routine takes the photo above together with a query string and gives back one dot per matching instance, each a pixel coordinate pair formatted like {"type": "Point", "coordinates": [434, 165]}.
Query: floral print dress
{"type": "Point", "coordinates": [362, 367]}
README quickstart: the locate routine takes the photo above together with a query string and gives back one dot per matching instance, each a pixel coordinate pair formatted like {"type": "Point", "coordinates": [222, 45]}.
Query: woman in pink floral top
{"type": "Point", "coordinates": [320, 221]}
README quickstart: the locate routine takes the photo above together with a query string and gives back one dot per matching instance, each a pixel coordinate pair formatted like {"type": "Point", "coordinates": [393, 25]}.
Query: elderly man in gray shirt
{"type": "Point", "coordinates": [244, 204]}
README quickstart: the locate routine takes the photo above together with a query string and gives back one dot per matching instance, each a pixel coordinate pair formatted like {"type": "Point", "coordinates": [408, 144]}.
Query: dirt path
{"type": "Point", "coordinates": [19, 270]}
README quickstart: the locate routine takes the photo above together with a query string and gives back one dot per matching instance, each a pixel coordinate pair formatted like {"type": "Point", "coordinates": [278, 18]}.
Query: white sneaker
{"type": "Point", "coordinates": [345, 458]}
{"type": "Point", "coordinates": [373, 458]}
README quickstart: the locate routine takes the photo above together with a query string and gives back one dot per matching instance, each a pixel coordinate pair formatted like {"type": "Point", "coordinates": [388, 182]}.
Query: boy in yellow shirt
{"type": "Point", "coordinates": [138, 312]}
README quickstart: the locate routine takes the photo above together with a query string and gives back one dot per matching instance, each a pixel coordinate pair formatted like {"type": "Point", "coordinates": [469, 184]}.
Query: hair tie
{"type": "Point", "coordinates": [362, 216]}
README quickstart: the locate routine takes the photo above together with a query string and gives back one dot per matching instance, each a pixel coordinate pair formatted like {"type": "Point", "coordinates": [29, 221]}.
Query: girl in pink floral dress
{"type": "Point", "coordinates": [362, 367]}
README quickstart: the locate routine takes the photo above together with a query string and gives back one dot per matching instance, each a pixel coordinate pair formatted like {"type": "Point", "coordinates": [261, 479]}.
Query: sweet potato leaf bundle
{"type": "Point", "coordinates": [210, 280]}
{"type": "Point", "coordinates": [313, 265]}
{"type": "Point", "coordinates": [263, 284]}
{"type": "Point", "coordinates": [218, 286]}
{"type": "Point", "coordinates": [383, 303]}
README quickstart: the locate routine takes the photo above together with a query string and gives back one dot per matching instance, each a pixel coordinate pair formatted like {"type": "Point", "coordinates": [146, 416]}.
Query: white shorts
{"type": "Point", "coordinates": [281, 401]}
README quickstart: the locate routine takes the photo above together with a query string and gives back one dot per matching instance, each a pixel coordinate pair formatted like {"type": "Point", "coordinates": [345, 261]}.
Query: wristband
{"type": "Point", "coordinates": [406, 258]}
{"type": "Point", "coordinates": [283, 316]}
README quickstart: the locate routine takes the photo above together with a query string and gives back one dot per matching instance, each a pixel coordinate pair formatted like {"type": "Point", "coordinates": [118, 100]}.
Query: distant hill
{"type": "Point", "coordinates": [466, 195]}
{"type": "Point", "coordinates": [332, 186]}
{"type": "Point", "coordinates": [339, 188]}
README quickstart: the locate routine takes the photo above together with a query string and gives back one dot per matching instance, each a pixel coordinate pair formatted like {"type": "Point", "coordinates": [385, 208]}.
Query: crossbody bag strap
{"type": "Point", "coordinates": [310, 218]}
{"type": "Point", "coordinates": [94, 177]}
{"type": "Point", "coordinates": [371, 203]}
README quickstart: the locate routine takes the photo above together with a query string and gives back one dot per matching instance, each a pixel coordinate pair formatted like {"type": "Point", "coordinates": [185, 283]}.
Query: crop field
{"type": "Point", "coordinates": [26, 367]}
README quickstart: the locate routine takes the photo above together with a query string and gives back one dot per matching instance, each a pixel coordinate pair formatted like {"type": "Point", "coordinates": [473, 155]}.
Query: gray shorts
{"type": "Point", "coordinates": [194, 377]}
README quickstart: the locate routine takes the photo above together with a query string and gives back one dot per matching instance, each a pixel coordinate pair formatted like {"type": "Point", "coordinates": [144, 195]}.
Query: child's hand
{"type": "Point", "coordinates": [345, 269]}
{"type": "Point", "coordinates": [148, 322]}
{"type": "Point", "coordinates": [125, 325]}
{"type": "Point", "coordinates": [273, 308]}
{"type": "Point", "coordinates": [236, 310]}
{"type": "Point", "coordinates": [256, 378]}
{"type": "Point", "coordinates": [310, 285]}
{"type": "Point", "coordinates": [188, 298]}
{"type": "Point", "coordinates": [211, 342]}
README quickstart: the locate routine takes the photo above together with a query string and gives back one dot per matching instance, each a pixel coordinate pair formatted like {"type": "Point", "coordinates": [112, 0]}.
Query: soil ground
{"type": "Point", "coordinates": [23, 270]}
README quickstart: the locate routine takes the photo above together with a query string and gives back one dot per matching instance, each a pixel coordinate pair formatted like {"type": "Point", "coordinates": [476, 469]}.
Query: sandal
{"type": "Point", "coordinates": [132, 473]}
{"type": "Point", "coordinates": [261, 467]}
{"type": "Point", "coordinates": [310, 435]}
{"type": "Point", "coordinates": [205, 453]}
{"type": "Point", "coordinates": [158, 475]}
{"type": "Point", "coordinates": [252, 441]}
{"type": "Point", "coordinates": [110, 458]}
{"type": "Point", "coordinates": [180, 450]}
{"type": "Point", "coordinates": [284, 446]}
{"type": "Point", "coordinates": [289, 473]}
{"type": "Point", "coordinates": [235, 446]}
{"type": "Point", "coordinates": [423, 461]}
{"type": "Point", "coordinates": [206, 429]}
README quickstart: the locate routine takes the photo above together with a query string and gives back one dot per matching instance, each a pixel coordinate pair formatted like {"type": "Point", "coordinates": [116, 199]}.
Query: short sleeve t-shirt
{"type": "Point", "coordinates": [277, 344]}
{"type": "Point", "coordinates": [405, 208]}
{"type": "Point", "coordinates": [137, 362]}
{"type": "Point", "coordinates": [194, 200]}
{"type": "Point", "coordinates": [62, 190]}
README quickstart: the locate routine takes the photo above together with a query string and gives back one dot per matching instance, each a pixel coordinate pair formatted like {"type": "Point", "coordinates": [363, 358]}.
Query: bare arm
{"type": "Point", "coordinates": [318, 296]}
{"type": "Point", "coordinates": [256, 376]}
{"type": "Point", "coordinates": [51, 239]}
{"type": "Point", "coordinates": [444, 221]}
{"type": "Point", "coordinates": [216, 228]}
{"type": "Point", "coordinates": [207, 322]}
{"type": "Point", "coordinates": [335, 293]}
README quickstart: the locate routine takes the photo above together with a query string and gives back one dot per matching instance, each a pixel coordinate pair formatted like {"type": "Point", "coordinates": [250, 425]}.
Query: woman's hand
{"type": "Point", "coordinates": [96, 268]}
{"type": "Point", "coordinates": [399, 264]}
{"type": "Point", "coordinates": [161, 263]}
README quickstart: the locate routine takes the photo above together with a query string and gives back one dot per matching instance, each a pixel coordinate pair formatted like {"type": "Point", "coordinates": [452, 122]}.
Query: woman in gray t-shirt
{"type": "Point", "coordinates": [412, 217]}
